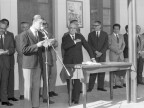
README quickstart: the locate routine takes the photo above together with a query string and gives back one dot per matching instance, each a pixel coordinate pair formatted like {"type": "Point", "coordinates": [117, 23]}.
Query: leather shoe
{"type": "Point", "coordinates": [50, 102]}
{"type": "Point", "coordinates": [118, 86]}
{"type": "Point", "coordinates": [142, 83]}
{"type": "Point", "coordinates": [13, 99]}
{"type": "Point", "coordinates": [75, 102]}
{"type": "Point", "coordinates": [21, 97]}
{"type": "Point", "coordinates": [124, 85]}
{"type": "Point", "coordinates": [101, 89]}
{"type": "Point", "coordinates": [114, 87]}
{"type": "Point", "coordinates": [89, 90]}
{"type": "Point", "coordinates": [53, 93]}
{"type": "Point", "coordinates": [7, 103]}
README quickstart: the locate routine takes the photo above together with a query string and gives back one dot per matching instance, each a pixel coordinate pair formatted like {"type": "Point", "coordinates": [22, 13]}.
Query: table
{"type": "Point", "coordinates": [110, 67]}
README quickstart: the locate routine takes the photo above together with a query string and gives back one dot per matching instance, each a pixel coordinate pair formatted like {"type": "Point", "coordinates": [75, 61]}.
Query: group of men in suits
{"type": "Point", "coordinates": [140, 52]}
{"type": "Point", "coordinates": [98, 43]}
{"type": "Point", "coordinates": [7, 49]}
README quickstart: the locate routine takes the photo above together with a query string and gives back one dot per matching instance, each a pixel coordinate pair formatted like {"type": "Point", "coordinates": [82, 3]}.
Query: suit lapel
{"type": "Point", "coordinates": [32, 36]}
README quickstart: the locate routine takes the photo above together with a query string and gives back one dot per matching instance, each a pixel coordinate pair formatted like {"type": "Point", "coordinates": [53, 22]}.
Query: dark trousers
{"type": "Point", "coordinates": [100, 76]}
{"type": "Point", "coordinates": [4, 73]}
{"type": "Point", "coordinates": [100, 80]}
{"type": "Point", "coordinates": [140, 62]}
{"type": "Point", "coordinates": [76, 88]}
{"type": "Point", "coordinates": [11, 78]}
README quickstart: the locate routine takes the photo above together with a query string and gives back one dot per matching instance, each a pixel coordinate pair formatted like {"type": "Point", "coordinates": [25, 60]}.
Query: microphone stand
{"type": "Point", "coordinates": [46, 63]}
{"type": "Point", "coordinates": [47, 75]}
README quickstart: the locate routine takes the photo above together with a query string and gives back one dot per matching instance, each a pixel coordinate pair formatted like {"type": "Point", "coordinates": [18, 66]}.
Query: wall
{"type": "Point", "coordinates": [121, 14]}
{"type": "Point", "coordinates": [8, 10]}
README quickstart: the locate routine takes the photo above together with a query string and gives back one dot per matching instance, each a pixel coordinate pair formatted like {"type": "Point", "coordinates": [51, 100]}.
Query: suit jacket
{"type": "Point", "coordinates": [18, 48]}
{"type": "Point", "coordinates": [73, 52]}
{"type": "Point", "coordinates": [8, 45]}
{"type": "Point", "coordinates": [140, 45]}
{"type": "Point", "coordinates": [126, 45]}
{"type": "Point", "coordinates": [51, 54]}
{"type": "Point", "coordinates": [32, 55]}
{"type": "Point", "coordinates": [116, 47]}
{"type": "Point", "coordinates": [12, 60]}
{"type": "Point", "coordinates": [99, 43]}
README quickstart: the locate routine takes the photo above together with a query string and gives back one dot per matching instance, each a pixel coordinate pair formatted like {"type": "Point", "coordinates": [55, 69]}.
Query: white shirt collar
{"type": "Point", "coordinates": [116, 34]}
{"type": "Point", "coordinates": [2, 36]}
{"type": "Point", "coordinates": [33, 30]}
{"type": "Point", "coordinates": [72, 35]}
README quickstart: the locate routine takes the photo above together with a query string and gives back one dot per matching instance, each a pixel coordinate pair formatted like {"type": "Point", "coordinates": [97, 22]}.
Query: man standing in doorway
{"type": "Point", "coordinates": [24, 26]}
{"type": "Point", "coordinates": [31, 44]}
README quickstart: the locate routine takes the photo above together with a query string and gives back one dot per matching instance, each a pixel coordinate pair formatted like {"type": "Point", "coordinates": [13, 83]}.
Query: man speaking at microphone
{"type": "Point", "coordinates": [32, 45]}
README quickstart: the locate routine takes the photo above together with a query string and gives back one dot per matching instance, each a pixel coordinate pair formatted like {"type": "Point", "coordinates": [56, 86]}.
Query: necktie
{"type": "Point", "coordinates": [117, 38]}
{"type": "Point", "coordinates": [139, 43]}
{"type": "Point", "coordinates": [1, 42]}
{"type": "Point", "coordinates": [73, 38]}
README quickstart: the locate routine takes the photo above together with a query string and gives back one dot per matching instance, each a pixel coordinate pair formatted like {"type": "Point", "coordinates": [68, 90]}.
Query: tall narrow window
{"type": "Point", "coordinates": [102, 10]}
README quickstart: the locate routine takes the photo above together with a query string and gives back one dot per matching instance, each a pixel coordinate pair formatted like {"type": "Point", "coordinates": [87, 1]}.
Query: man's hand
{"type": "Point", "coordinates": [77, 40]}
{"type": "Point", "coordinates": [98, 54]}
{"type": "Point", "coordinates": [39, 44]}
{"type": "Point", "coordinates": [93, 60]}
{"type": "Point", "coordinates": [120, 51]}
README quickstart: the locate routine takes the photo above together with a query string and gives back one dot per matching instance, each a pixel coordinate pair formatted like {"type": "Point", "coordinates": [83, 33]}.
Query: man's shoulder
{"type": "Point", "coordinates": [9, 33]}
{"type": "Point", "coordinates": [65, 34]}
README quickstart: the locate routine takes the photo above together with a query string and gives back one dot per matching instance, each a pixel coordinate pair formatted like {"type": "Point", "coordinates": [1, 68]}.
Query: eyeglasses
{"type": "Point", "coordinates": [96, 25]}
{"type": "Point", "coordinates": [2, 28]}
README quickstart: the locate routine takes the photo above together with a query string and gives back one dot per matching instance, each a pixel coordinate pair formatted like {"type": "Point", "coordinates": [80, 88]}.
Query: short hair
{"type": "Point", "coordinates": [6, 20]}
{"type": "Point", "coordinates": [36, 17]}
{"type": "Point", "coordinates": [72, 21]}
{"type": "Point", "coordinates": [126, 28]}
{"type": "Point", "coordinates": [24, 23]}
{"type": "Point", "coordinates": [116, 25]}
{"type": "Point", "coordinates": [99, 22]}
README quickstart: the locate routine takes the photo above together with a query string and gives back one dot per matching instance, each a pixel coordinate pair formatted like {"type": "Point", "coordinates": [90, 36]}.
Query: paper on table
{"type": "Point", "coordinates": [90, 63]}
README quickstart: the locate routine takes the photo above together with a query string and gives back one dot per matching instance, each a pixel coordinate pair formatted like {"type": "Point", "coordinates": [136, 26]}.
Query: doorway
{"type": "Point", "coordinates": [28, 8]}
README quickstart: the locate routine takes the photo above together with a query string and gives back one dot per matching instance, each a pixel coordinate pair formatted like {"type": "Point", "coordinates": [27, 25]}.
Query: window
{"type": "Point", "coordinates": [102, 10]}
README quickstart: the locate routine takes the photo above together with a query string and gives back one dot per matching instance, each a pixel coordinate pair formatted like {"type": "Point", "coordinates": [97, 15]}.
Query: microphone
{"type": "Point", "coordinates": [45, 33]}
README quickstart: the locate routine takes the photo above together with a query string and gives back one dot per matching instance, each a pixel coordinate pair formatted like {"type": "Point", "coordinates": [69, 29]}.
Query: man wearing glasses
{"type": "Point", "coordinates": [98, 41]}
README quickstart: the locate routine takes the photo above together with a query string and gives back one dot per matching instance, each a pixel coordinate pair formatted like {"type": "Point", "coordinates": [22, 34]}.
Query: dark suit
{"type": "Point", "coordinates": [11, 74]}
{"type": "Point", "coordinates": [100, 44]}
{"type": "Point", "coordinates": [52, 71]}
{"type": "Point", "coordinates": [73, 55]}
{"type": "Point", "coordinates": [32, 66]}
{"type": "Point", "coordinates": [140, 58]}
{"type": "Point", "coordinates": [126, 45]}
{"type": "Point", "coordinates": [5, 66]}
